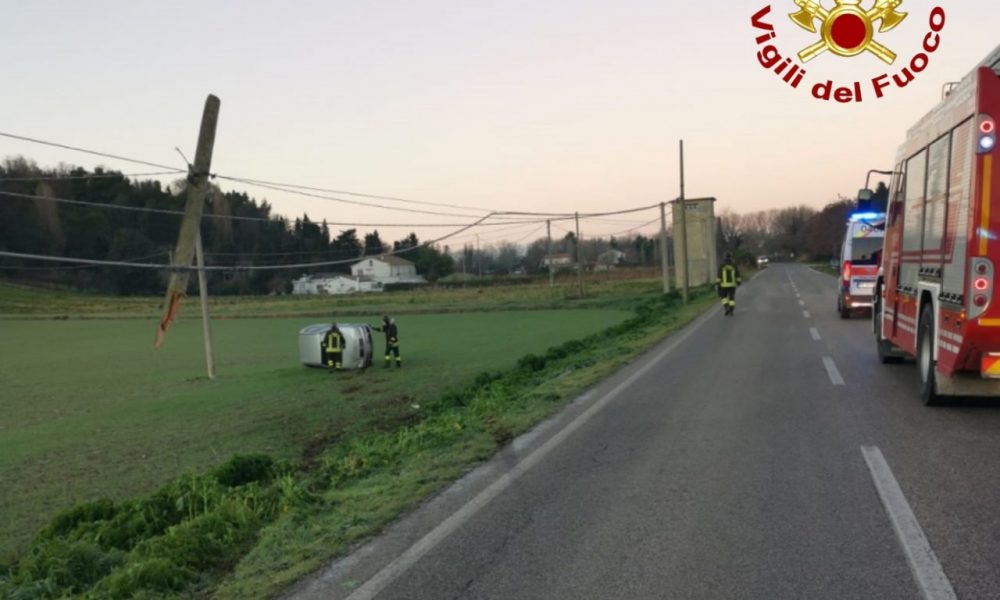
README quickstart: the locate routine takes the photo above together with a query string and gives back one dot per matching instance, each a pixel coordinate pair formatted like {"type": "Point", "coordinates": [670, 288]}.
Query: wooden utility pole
{"type": "Point", "coordinates": [548, 252]}
{"type": "Point", "coordinates": [479, 257]}
{"type": "Point", "coordinates": [189, 239]}
{"type": "Point", "coordinates": [579, 256]}
{"type": "Point", "coordinates": [206, 324]}
{"type": "Point", "coordinates": [684, 232]}
{"type": "Point", "coordinates": [663, 248]}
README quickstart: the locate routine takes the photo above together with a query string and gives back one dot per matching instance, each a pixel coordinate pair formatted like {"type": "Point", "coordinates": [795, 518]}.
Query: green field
{"type": "Point", "coordinates": [90, 410]}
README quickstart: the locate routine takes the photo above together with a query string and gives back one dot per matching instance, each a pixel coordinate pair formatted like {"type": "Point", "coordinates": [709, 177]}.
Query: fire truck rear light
{"type": "Point", "coordinates": [982, 284]}
{"type": "Point", "coordinates": [980, 301]}
{"type": "Point", "coordinates": [987, 134]}
{"type": "Point", "coordinates": [982, 269]}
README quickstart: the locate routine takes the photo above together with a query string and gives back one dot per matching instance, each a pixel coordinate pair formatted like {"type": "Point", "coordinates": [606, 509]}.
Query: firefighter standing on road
{"type": "Point", "coordinates": [391, 341]}
{"type": "Point", "coordinates": [729, 280]}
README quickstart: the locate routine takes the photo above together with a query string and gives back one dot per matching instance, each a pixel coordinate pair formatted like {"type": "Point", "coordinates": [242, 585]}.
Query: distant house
{"type": "Point", "coordinates": [387, 269]}
{"type": "Point", "coordinates": [333, 284]}
{"type": "Point", "coordinates": [607, 261]}
{"type": "Point", "coordinates": [557, 260]}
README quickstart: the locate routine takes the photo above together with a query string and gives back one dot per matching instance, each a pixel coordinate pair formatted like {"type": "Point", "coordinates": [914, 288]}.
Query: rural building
{"type": "Point", "coordinates": [607, 261]}
{"type": "Point", "coordinates": [558, 260]}
{"type": "Point", "coordinates": [333, 283]}
{"type": "Point", "coordinates": [387, 269]}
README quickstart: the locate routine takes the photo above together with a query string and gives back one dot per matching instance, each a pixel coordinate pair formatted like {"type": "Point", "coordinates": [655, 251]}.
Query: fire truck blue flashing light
{"type": "Point", "coordinates": [869, 216]}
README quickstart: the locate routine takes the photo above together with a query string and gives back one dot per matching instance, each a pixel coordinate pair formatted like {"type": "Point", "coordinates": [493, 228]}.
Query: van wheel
{"type": "Point", "coordinates": [884, 347]}
{"type": "Point", "coordinates": [926, 365]}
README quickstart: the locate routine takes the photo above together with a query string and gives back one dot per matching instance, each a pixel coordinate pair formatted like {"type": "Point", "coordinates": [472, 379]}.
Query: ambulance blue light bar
{"type": "Point", "coordinates": [871, 216]}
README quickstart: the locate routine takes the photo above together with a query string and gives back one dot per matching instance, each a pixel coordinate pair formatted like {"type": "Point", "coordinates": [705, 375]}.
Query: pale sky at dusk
{"type": "Point", "coordinates": [551, 106]}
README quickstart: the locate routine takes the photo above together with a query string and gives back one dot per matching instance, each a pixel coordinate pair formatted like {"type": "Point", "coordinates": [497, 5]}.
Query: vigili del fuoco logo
{"type": "Point", "coordinates": [847, 30]}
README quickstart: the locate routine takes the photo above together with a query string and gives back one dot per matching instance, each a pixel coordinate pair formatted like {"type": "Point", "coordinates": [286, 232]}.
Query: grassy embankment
{"type": "Point", "coordinates": [96, 414]}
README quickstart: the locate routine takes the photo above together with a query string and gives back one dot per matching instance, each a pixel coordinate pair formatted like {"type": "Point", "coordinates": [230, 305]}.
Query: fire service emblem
{"type": "Point", "coordinates": [848, 29]}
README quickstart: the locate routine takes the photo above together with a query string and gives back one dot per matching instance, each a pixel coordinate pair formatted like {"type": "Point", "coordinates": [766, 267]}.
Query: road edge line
{"type": "Point", "coordinates": [402, 563]}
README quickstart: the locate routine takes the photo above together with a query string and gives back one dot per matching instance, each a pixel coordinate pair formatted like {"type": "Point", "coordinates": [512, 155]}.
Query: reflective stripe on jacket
{"type": "Point", "coordinates": [729, 276]}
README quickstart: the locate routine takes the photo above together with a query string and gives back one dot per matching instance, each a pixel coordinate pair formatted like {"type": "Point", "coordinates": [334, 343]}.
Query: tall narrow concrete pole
{"type": "Point", "coordinates": [663, 248]}
{"type": "Point", "coordinates": [684, 233]}
{"type": "Point", "coordinates": [579, 257]}
{"type": "Point", "coordinates": [548, 252]}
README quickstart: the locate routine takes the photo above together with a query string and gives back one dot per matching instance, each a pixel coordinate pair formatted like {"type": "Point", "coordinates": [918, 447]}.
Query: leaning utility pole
{"type": "Point", "coordinates": [579, 256]}
{"type": "Point", "coordinates": [684, 231]}
{"type": "Point", "coordinates": [663, 248]}
{"type": "Point", "coordinates": [548, 252]}
{"type": "Point", "coordinates": [189, 239]}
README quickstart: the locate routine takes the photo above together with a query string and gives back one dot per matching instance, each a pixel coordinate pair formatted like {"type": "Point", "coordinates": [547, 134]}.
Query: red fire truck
{"type": "Point", "coordinates": [936, 296]}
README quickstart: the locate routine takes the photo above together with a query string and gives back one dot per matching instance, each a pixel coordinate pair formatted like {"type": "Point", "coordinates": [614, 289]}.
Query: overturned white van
{"type": "Point", "coordinates": [336, 346]}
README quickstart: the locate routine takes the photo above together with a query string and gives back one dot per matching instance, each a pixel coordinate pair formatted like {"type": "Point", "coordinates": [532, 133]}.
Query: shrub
{"type": "Point", "coordinates": [244, 469]}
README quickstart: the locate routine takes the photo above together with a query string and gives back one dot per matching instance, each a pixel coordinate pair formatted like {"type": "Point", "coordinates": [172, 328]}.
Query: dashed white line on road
{"type": "Point", "coordinates": [802, 302]}
{"type": "Point", "coordinates": [927, 571]}
{"type": "Point", "coordinates": [832, 371]}
{"type": "Point", "coordinates": [815, 333]}
{"type": "Point", "coordinates": [374, 586]}
{"type": "Point", "coordinates": [806, 314]}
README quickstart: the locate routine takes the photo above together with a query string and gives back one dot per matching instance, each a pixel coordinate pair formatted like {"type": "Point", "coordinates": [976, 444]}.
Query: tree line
{"type": "Point", "coordinates": [43, 226]}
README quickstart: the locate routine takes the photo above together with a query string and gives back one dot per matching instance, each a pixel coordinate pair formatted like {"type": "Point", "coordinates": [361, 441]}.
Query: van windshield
{"type": "Point", "coordinates": [864, 251]}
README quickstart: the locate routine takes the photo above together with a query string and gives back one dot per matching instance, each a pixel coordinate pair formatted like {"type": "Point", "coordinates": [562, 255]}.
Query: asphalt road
{"type": "Point", "coordinates": [727, 463]}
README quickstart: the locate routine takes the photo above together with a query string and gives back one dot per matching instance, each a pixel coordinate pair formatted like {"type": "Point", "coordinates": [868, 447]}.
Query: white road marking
{"type": "Point", "coordinates": [832, 371]}
{"type": "Point", "coordinates": [371, 588]}
{"type": "Point", "coordinates": [927, 571]}
{"type": "Point", "coordinates": [802, 302]}
{"type": "Point", "coordinates": [815, 333]}
{"type": "Point", "coordinates": [806, 314]}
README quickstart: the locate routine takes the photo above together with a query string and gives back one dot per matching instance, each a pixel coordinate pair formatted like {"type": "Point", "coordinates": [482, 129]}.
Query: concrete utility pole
{"type": "Point", "coordinates": [663, 248]}
{"type": "Point", "coordinates": [579, 256]}
{"type": "Point", "coordinates": [479, 257]}
{"type": "Point", "coordinates": [684, 232]}
{"type": "Point", "coordinates": [206, 324]}
{"type": "Point", "coordinates": [189, 239]}
{"type": "Point", "coordinates": [548, 252]}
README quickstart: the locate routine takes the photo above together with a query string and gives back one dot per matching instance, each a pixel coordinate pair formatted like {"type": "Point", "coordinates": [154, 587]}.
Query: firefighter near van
{"type": "Point", "coordinates": [729, 279]}
{"type": "Point", "coordinates": [391, 332]}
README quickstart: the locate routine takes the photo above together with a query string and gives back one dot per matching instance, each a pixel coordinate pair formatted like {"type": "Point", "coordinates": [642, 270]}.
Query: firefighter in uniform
{"type": "Point", "coordinates": [729, 279]}
{"type": "Point", "coordinates": [391, 341]}
{"type": "Point", "coordinates": [333, 348]}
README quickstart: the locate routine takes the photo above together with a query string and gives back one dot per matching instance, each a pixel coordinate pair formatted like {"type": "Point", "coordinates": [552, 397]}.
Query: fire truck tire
{"type": "Point", "coordinates": [926, 365]}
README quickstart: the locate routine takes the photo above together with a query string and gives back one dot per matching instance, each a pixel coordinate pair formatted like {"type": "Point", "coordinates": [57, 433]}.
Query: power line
{"type": "Point", "coordinates": [309, 265]}
{"type": "Point", "coordinates": [88, 151]}
{"type": "Point", "coordinates": [166, 211]}
{"type": "Point", "coordinates": [91, 176]}
{"type": "Point", "coordinates": [656, 220]}
{"type": "Point", "coordinates": [77, 267]}
{"type": "Point", "coordinates": [248, 180]}
{"type": "Point", "coordinates": [288, 190]}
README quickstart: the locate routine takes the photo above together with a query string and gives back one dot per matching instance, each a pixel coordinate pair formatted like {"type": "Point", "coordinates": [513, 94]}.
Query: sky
{"type": "Point", "coordinates": [554, 106]}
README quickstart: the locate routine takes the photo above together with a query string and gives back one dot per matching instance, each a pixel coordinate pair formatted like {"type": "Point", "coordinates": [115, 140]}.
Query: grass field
{"type": "Point", "coordinates": [90, 410]}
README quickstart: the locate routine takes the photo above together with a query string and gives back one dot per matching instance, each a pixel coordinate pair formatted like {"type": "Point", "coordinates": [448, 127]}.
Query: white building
{"type": "Point", "coordinates": [607, 261]}
{"type": "Point", "coordinates": [333, 283]}
{"type": "Point", "coordinates": [387, 269]}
